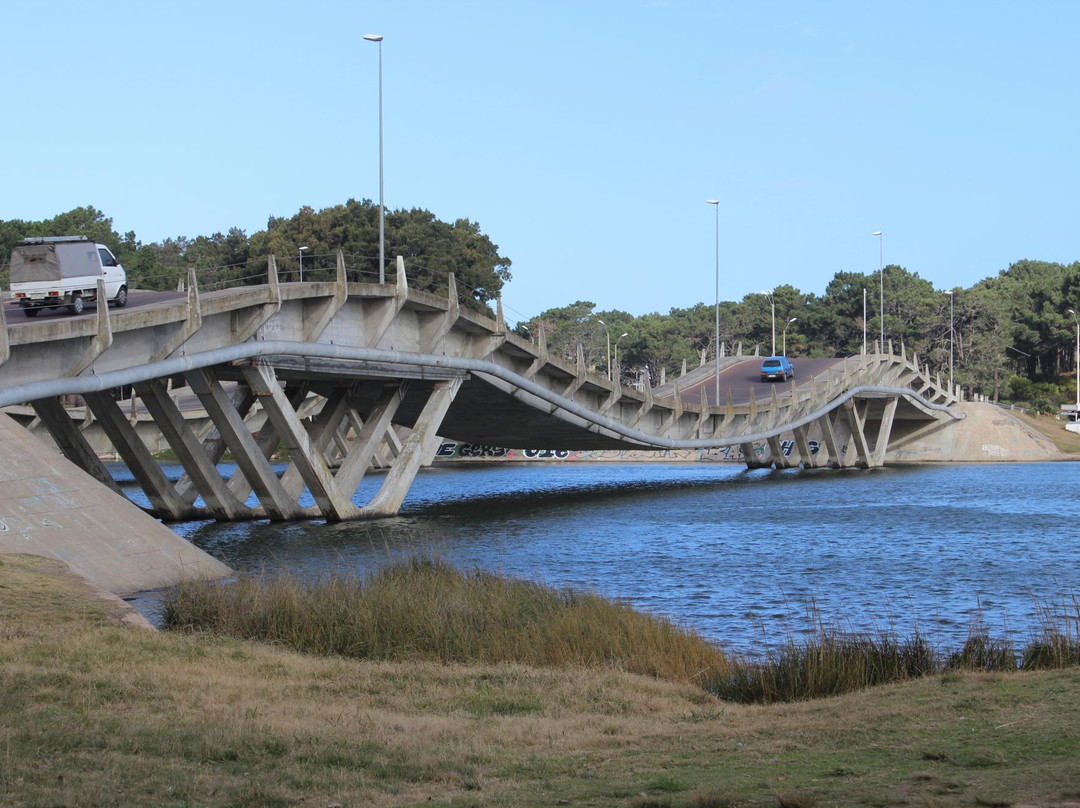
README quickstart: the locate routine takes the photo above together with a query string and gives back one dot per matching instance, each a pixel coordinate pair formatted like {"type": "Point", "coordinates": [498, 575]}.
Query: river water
{"type": "Point", "coordinates": [741, 556]}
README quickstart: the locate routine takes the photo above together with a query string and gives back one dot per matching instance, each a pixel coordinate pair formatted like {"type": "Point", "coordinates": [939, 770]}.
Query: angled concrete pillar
{"type": "Point", "coordinates": [71, 441]}
{"type": "Point", "coordinates": [320, 432]}
{"type": "Point", "coordinates": [858, 434]}
{"type": "Point", "coordinates": [802, 442]}
{"type": "Point", "coordinates": [776, 452]}
{"type": "Point", "coordinates": [189, 450]}
{"type": "Point", "coordinates": [369, 437]}
{"type": "Point", "coordinates": [751, 458]}
{"type": "Point", "coordinates": [881, 445]}
{"type": "Point", "coordinates": [214, 446]}
{"type": "Point", "coordinates": [140, 462]}
{"type": "Point", "coordinates": [417, 449]}
{"type": "Point", "coordinates": [245, 449]}
{"type": "Point", "coordinates": [829, 442]}
{"type": "Point", "coordinates": [332, 502]}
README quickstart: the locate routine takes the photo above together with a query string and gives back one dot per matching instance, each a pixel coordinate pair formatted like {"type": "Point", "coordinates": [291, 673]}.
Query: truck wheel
{"type": "Point", "coordinates": [30, 311]}
{"type": "Point", "coordinates": [77, 304]}
{"type": "Point", "coordinates": [121, 298]}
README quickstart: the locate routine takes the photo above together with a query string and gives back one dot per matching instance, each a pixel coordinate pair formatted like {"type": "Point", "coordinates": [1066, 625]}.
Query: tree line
{"type": "Point", "coordinates": [431, 248]}
{"type": "Point", "coordinates": [1010, 336]}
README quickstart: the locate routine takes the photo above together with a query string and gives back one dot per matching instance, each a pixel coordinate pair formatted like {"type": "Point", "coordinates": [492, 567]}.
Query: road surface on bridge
{"type": "Point", "coordinates": [745, 376]}
{"type": "Point", "coordinates": [136, 297]}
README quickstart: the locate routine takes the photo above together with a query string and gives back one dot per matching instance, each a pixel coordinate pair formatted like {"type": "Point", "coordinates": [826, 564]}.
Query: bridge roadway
{"type": "Point", "coordinates": [378, 359]}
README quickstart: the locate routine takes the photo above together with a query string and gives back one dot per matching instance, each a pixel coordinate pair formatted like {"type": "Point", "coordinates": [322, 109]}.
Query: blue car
{"type": "Point", "coordinates": [777, 368]}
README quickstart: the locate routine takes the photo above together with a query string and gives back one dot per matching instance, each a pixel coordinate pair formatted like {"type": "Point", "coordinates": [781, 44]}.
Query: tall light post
{"type": "Point", "coordinates": [772, 305]}
{"type": "Point", "coordinates": [1077, 319]}
{"type": "Point", "coordinates": [382, 232]}
{"type": "Point", "coordinates": [716, 204]}
{"type": "Point", "coordinates": [949, 292]}
{"type": "Point", "coordinates": [608, 354]}
{"type": "Point", "coordinates": [618, 370]}
{"type": "Point", "coordinates": [789, 322]}
{"type": "Point", "coordinates": [301, 250]}
{"type": "Point", "coordinates": [881, 284]}
{"type": "Point", "coordinates": [864, 321]}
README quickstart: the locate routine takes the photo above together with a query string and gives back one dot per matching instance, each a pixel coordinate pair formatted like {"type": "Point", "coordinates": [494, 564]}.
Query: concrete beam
{"type": "Point", "coordinates": [188, 448]}
{"type": "Point", "coordinates": [369, 436]}
{"type": "Point", "coordinates": [245, 449]}
{"type": "Point", "coordinates": [884, 431]}
{"type": "Point", "coordinates": [71, 442]}
{"type": "Point", "coordinates": [334, 505]}
{"type": "Point", "coordinates": [418, 448]}
{"type": "Point", "coordinates": [140, 462]}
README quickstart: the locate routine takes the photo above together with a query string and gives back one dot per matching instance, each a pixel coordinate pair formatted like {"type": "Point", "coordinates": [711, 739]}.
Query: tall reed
{"type": "Point", "coordinates": [426, 609]}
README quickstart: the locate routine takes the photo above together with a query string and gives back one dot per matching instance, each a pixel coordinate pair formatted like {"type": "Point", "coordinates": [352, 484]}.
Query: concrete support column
{"type": "Point", "coordinates": [776, 452]}
{"type": "Point", "coordinates": [802, 442]}
{"type": "Point", "coordinates": [71, 441]}
{"type": "Point", "coordinates": [884, 431]}
{"type": "Point", "coordinates": [214, 446]}
{"type": "Point", "coordinates": [320, 433]}
{"type": "Point", "coordinates": [334, 505]}
{"type": "Point", "coordinates": [180, 437]}
{"type": "Point", "coordinates": [249, 456]}
{"type": "Point", "coordinates": [416, 450]}
{"type": "Point", "coordinates": [369, 437]}
{"type": "Point", "coordinates": [164, 500]}
{"type": "Point", "coordinates": [832, 445]}
{"type": "Point", "coordinates": [750, 457]}
{"type": "Point", "coordinates": [858, 434]}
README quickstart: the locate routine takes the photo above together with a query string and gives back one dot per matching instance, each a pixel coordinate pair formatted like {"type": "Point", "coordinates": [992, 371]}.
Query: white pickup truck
{"type": "Point", "coordinates": [48, 273]}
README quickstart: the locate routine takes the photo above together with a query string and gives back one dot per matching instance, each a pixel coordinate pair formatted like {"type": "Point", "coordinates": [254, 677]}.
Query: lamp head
{"type": "Point", "coordinates": [712, 201]}
{"type": "Point", "coordinates": [373, 37]}
{"type": "Point", "coordinates": [876, 233]}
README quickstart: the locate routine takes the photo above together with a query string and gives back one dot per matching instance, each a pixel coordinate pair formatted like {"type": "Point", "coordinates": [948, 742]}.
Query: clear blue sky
{"type": "Point", "coordinates": [583, 137]}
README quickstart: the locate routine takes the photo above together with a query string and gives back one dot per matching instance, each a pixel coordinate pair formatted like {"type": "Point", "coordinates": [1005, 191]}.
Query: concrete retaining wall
{"type": "Point", "coordinates": [49, 507]}
{"type": "Point", "coordinates": [987, 434]}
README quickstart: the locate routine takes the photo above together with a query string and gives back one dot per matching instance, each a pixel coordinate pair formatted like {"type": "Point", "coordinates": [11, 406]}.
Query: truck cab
{"type": "Point", "coordinates": [63, 271]}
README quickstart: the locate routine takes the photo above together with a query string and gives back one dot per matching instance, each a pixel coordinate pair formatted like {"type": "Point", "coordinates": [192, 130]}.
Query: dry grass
{"type": "Point", "coordinates": [1049, 425]}
{"type": "Point", "coordinates": [425, 609]}
{"type": "Point", "coordinates": [93, 713]}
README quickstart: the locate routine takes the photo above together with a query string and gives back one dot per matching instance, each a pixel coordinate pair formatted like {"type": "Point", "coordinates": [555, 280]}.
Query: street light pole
{"type": "Point", "coordinates": [716, 400]}
{"type": "Point", "coordinates": [608, 354]}
{"type": "Point", "coordinates": [789, 322]}
{"type": "Point", "coordinates": [951, 339]}
{"type": "Point", "coordinates": [382, 209]}
{"type": "Point", "coordinates": [301, 251]}
{"type": "Point", "coordinates": [772, 305]}
{"type": "Point", "coordinates": [1077, 319]}
{"type": "Point", "coordinates": [618, 370]}
{"type": "Point", "coordinates": [881, 284]}
{"type": "Point", "coordinates": [864, 321]}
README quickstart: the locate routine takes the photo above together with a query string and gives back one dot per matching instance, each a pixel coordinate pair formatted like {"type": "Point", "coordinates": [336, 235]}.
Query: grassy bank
{"type": "Point", "coordinates": [1052, 427]}
{"type": "Point", "coordinates": [425, 609]}
{"type": "Point", "coordinates": [93, 713]}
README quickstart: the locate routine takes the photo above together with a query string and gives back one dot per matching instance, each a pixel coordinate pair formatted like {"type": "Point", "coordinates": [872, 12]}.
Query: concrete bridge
{"type": "Point", "coordinates": [336, 370]}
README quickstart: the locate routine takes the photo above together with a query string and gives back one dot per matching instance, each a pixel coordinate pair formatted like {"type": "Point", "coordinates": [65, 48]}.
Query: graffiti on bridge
{"type": "Point", "coordinates": [453, 450]}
